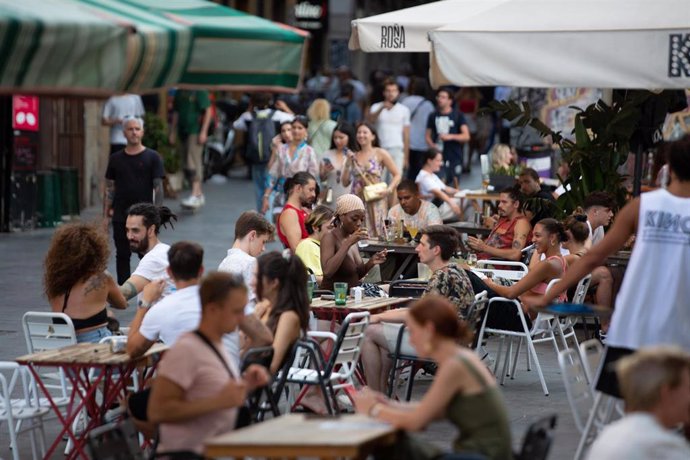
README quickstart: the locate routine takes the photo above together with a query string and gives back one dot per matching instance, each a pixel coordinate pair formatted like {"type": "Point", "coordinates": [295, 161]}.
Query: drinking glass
{"type": "Point", "coordinates": [340, 291]}
{"type": "Point", "coordinates": [310, 289]}
{"type": "Point", "coordinates": [363, 243]}
{"type": "Point", "coordinates": [412, 229]}
{"type": "Point", "coordinates": [472, 259]}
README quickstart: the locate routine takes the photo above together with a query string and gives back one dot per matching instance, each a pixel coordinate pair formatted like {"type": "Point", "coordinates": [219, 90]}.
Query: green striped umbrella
{"type": "Point", "coordinates": [101, 47]}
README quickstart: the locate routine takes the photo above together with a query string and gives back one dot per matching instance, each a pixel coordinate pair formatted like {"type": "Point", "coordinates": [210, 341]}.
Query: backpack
{"type": "Point", "coordinates": [260, 132]}
{"type": "Point", "coordinates": [339, 111]}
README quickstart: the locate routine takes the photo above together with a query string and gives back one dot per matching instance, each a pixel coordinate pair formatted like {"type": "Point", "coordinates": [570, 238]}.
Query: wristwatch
{"type": "Point", "coordinates": [143, 304]}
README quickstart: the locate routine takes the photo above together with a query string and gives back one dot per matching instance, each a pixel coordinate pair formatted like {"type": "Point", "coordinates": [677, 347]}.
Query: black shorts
{"type": "Point", "coordinates": [138, 403]}
{"type": "Point", "coordinates": [607, 381]}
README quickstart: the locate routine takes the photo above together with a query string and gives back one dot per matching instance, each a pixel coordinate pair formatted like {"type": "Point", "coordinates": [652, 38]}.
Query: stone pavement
{"type": "Point", "coordinates": [212, 226]}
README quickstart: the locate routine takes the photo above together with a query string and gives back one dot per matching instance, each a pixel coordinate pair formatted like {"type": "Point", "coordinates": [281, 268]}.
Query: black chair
{"type": "Point", "coordinates": [407, 288]}
{"type": "Point", "coordinates": [256, 404]}
{"type": "Point", "coordinates": [115, 441]}
{"type": "Point", "coordinates": [538, 439]}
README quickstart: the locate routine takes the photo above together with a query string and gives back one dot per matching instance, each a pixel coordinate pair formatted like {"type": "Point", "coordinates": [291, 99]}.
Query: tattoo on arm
{"type": "Point", "coordinates": [158, 191]}
{"type": "Point", "coordinates": [109, 193]}
{"type": "Point", "coordinates": [519, 241]}
{"type": "Point", "coordinates": [95, 283]}
{"type": "Point", "coordinates": [128, 290]}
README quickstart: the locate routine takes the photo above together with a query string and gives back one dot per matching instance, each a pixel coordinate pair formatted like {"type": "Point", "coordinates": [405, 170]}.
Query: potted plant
{"type": "Point", "coordinates": [156, 138]}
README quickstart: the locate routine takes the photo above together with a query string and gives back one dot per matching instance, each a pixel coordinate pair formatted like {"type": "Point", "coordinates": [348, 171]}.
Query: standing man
{"type": "Point", "coordinates": [392, 122]}
{"type": "Point", "coordinates": [420, 108]}
{"type": "Point", "coordinates": [115, 111]}
{"type": "Point", "coordinates": [446, 131]}
{"type": "Point", "coordinates": [134, 175]}
{"type": "Point", "coordinates": [191, 119]}
{"type": "Point", "coordinates": [509, 234]}
{"type": "Point", "coordinates": [301, 192]}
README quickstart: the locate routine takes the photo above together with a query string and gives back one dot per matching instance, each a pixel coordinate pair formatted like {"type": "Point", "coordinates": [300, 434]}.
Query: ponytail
{"type": "Point", "coordinates": [160, 216]}
{"type": "Point", "coordinates": [554, 227]}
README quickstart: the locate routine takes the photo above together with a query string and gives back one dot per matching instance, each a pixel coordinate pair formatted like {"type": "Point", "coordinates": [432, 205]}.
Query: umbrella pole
{"type": "Point", "coordinates": [637, 178]}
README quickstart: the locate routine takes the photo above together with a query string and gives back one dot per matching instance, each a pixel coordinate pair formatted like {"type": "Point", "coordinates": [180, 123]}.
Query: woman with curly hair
{"type": "Point", "coordinates": [76, 282]}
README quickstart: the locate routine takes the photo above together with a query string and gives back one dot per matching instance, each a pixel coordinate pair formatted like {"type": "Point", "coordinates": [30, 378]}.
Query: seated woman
{"type": "Point", "coordinates": [435, 249]}
{"type": "Point", "coordinates": [76, 282]}
{"type": "Point", "coordinates": [577, 231]}
{"type": "Point", "coordinates": [547, 236]}
{"type": "Point", "coordinates": [340, 257]}
{"type": "Point", "coordinates": [463, 392]}
{"type": "Point", "coordinates": [309, 249]}
{"type": "Point", "coordinates": [281, 287]}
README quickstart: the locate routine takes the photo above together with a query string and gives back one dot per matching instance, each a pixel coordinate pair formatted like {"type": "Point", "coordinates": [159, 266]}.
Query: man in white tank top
{"type": "Point", "coordinates": [652, 305]}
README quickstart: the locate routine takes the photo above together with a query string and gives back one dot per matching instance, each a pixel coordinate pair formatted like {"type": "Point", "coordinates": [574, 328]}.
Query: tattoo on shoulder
{"type": "Point", "coordinates": [517, 244]}
{"type": "Point", "coordinates": [95, 283]}
{"type": "Point", "coordinates": [128, 290]}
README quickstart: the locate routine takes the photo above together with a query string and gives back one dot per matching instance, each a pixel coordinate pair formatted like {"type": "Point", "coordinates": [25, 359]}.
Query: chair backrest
{"type": "Point", "coordinates": [348, 346]}
{"type": "Point", "coordinates": [591, 352]}
{"type": "Point", "coordinates": [47, 330]}
{"type": "Point", "coordinates": [12, 377]}
{"type": "Point", "coordinates": [475, 314]}
{"type": "Point", "coordinates": [407, 288]}
{"type": "Point", "coordinates": [257, 355]}
{"type": "Point", "coordinates": [581, 289]}
{"type": "Point", "coordinates": [538, 439]}
{"type": "Point", "coordinates": [577, 389]}
{"type": "Point", "coordinates": [517, 273]}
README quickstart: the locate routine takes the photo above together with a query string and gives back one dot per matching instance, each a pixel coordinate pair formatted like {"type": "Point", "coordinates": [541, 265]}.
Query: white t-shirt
{"type": "Point", "coordinates": [422, 108]}
{"type": "Point", "coordinates": [427, 182]}
{"type": "Point", "coordinates": [178, 313]}
{"type": "Point", "coordinates": [638, 436]}
{"type": "Point", "coordinates": [119, 107]}
{"type": "Point", "coordinates": [597, 235]}
{"type": "Point", "coordinates": [153, 266]}
{"type": "Point", "coordinates": [390, 124]}
{"type": "Point", "coordinates": [279, 116]}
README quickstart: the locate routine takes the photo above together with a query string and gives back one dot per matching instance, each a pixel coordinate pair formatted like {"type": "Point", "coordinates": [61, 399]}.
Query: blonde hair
{"type": "Point", "coordinates": [500, 156]}
{"type": "Point", "coordinates": [642, 375]}
{"type": "Point", "coordinates": [319, 110]}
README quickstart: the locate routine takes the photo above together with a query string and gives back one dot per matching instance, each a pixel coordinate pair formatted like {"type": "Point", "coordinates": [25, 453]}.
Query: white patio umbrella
{"type": "Point", "coordinates": [406, 30]}
{"type": "Point", "coordinates": [639, 44]}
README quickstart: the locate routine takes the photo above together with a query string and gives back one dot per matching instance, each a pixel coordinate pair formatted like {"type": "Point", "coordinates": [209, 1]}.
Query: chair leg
{"type": "Point", "coordinates": [391, 378]}
{"type": "Point", "coordinates": [584, 439]}
{"type": "Point", "coordinates": [499, 354]}
{"type": "Point", "coordinates": [515, 359]}
{"type": "Point", "coordinates": [410, 382]}
{"type": "Point", "coordinates": [506, 360]}
{"type": "Point", "coordinates": [533, 351]}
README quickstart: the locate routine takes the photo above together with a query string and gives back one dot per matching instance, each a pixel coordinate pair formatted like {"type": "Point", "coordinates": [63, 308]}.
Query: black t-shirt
{"type": "Point", "coordinates": [133, 176]}
{"type": "Point", "coordinates": [448, 124]}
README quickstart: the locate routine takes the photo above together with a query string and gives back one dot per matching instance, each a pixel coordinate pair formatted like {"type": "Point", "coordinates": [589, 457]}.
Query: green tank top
{"type": "Point", "coordinates": [482, 420]}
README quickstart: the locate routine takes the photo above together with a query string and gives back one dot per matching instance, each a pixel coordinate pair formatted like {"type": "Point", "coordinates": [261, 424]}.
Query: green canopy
{"type": "Point", "coordinates": [101, 47]}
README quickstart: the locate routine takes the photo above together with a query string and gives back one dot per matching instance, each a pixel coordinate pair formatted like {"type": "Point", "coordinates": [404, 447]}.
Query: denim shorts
{"type": "Point", "coordinates": [93, 336]}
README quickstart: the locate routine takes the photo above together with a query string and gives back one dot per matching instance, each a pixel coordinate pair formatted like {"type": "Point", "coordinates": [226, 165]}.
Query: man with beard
{"type": "Point", "coordinates": [144, 221]}
{"type": "Point", "coordinates": [510, 232]}
{"type": "Point", "coordinates": [301, 192]}
{"type": "Point", "coordinates": [134, 175]}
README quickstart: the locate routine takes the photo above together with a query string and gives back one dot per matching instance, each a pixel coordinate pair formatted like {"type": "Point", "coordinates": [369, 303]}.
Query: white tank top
{"type": "Point", "coordinates": [653, 305]}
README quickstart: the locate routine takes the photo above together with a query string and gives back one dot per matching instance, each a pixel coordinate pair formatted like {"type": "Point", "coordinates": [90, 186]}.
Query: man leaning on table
{"type": "Point", "coordinates": [198, 387]}
{"type": "Point", "coordinates": [510, 233]}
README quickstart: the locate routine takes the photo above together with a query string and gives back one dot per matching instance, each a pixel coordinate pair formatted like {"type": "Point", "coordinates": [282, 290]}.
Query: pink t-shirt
{"type": "Point", "coordinates": [192, 365]}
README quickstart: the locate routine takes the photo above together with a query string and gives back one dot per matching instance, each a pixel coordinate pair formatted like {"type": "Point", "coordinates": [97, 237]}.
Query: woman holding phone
{"type": "Point", "coordinates": [331, 168]}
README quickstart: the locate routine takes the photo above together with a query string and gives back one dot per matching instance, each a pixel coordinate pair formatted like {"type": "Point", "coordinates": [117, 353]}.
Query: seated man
{"type": "Point", "coordinates": [198, 387]}
{"type": "Point", "coordinates": [412, 209]}
{"type": "Point", "coordinates": [300, 191]}
{"type": "Point", "coordinates": [509, 234]}
{"type": "Point", "coordinates": [437, 246]}
{"type": "Point", "coordinates": [541, 200]}
{"type": "Point", "coordinates": [431, 187]}
{"type": "Point", "coordinates": [655, 384]}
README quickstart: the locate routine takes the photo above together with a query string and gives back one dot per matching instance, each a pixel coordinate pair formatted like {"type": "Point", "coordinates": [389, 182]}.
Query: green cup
{"type": "Point", "coordinates": [340, 290]}
{"type": "Point", "coordinates": [310, 290]}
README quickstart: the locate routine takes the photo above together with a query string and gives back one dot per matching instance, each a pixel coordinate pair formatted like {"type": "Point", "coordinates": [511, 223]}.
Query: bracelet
{"type": "Point", "coordinates": [375, 410]}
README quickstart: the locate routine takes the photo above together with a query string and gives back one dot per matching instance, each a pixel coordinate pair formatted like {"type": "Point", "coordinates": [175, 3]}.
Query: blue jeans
{"type": "Point", "coordinates": [93, 336]}
{"type": "Point", "coordinates": [261, 182]}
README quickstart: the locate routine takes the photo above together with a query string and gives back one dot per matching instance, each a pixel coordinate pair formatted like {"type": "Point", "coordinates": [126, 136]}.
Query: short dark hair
{"type": "Point", "coordinates": [677, 153]}
{"type": "Point", "coordinates": [252, 220]}
{"type": "Point", "coordinates": [160, 216]}
{"type": "Point", "coordinates": [260, 100]}
{"type": "Point", "coordinates": [603, 199]}
{"type": "Point", "coordinates": [446, 89]}
{"type": "Point", "coordinates": [409, 185]}
{"type": "Point", "coordinates": [430, 155]}
{"type": "Point", "coordinates": [185, 259]}
{"type": "Point", "coordinates": [531, 173]}
{"type": "Point", "coordinates": [215, 286]}
{"type": "Point", "coordinates": [301, 178]}
{"type": "Point", "coordinates": [443, 236]}
{"type": "Point", "coordinates": [390, 82]}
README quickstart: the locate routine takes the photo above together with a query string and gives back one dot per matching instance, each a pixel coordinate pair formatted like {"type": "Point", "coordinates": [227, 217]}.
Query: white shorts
{"type": "Point", "coordinates": [391, 331]}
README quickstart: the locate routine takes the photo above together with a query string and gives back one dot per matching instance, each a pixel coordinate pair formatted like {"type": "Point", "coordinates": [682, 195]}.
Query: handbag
{"type": "Point", "coordinates": [371, 191]}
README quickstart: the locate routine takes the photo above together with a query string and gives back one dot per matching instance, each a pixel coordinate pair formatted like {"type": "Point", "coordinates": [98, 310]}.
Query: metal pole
{"type": "Point", "coordinates": [637, 178]}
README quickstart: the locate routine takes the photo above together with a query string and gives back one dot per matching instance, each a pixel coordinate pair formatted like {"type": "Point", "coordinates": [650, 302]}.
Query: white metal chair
{"type": "Point", "coordinates": [579, 393]}
{"type": "Point", "coordinates": [26, 408]}
{"type": "Point", "coordinates": [337, 371]}
{"type": "Point", "coordinates": [516, 274]}
{"type": "Point", "coordinates": [591, 352]}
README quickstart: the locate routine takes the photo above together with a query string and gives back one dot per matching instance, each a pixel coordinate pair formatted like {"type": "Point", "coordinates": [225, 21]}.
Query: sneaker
{"type": "Point", "coordinates": [602, 337]}
{"type": "Point", "coordinates": [193, 201]}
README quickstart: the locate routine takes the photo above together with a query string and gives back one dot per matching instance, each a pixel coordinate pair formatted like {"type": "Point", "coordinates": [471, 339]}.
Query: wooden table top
{"type": "Point", "coordinates": [367, 303]}
{"type": "Point", "coordinates": [97, 354]}
{"type": "Point", "coordinates": [295, 435]}
{"type": "Point", "coordinates": [377, 245]}
{"type": "Point", "coordinates": [619, 258]}
{"type": "Point", "coordinates": [470, 228]}
{"type": "Point", "coordinates": [479, 195]}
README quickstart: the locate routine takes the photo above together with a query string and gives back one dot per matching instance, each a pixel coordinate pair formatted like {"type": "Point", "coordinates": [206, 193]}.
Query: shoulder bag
{"type": "Point", "coordinates": [372, 191]}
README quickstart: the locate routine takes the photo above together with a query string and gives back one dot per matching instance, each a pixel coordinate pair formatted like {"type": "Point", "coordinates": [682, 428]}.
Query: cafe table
{"type": "Point", "coordinates": [405, 250]}
{"type": "Point", "coordinates": [488, 199]}
{"type": "Point", "coordinates": [328, 310]}
{"type": "Point", "coordinates": [303, 435]}
{"type": "Point", "coordinates": [89, 367]}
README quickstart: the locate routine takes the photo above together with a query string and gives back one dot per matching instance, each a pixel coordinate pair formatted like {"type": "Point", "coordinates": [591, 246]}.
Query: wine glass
{"type": "Point", "coordinates": [472, 259]}
{"type": "Point", "coordinates": [412, 229]}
